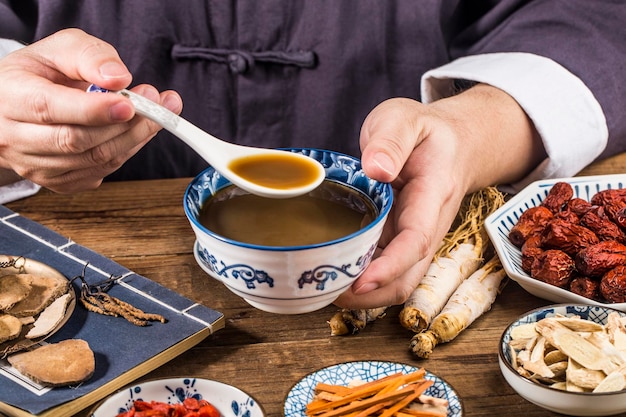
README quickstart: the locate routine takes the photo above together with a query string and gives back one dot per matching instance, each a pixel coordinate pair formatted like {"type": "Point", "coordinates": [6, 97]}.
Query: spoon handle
{"type": "Point", "coordinates": [200, 141]}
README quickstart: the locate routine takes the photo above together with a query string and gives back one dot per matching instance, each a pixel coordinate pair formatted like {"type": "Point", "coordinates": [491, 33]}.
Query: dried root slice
{"type": "Point", "coordinates": [615, 381]}
{"type": "Point", "coordinates": [576, 324]}
{"type": "Point", "coordinates": [575, 346]}
{"type": "Point", "coordinates": [524, 332]}
{"type": "Point", "coordinates": [10, 327]}
{"type": "Point", "coordinates": [348, 321]}
{"type": "Point", "coordinates": [65, 363]}
{"type": "Point", "coordinates": [394, 395]}
{"type": "Point", "coordinates": [50, 317]}
{"type": "Point", "coordinates": [536, 363]}
{"type": "Point", "coordinates": [572, 354]}
{"type": "Point", "coordinates": [587, 379]}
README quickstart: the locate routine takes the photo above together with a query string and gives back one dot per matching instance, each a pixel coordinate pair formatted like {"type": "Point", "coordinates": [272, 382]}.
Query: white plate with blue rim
{"type": "Point", "coordinates": [344, 373]}
{"type": "Point", "coordinates": [500, 222]}
{"type": "Point", "coordinates": [229, 400]}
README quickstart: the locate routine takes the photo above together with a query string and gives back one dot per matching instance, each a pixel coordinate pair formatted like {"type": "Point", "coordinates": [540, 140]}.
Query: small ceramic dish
{"type": "Point", "coordinates": [342, 374]}
{"type": "Point", "coordinates": [499, 224]}
{"type": "Point", "coordinates": [300, 278]}
{"type": "Point", "coordinates": [230, 401]}
{"type": "Point", "coordinates": [553, 399]}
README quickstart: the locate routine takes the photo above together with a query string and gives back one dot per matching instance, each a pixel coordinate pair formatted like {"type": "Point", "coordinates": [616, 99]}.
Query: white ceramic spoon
{"type": "Point", "coordinates": [286, 174]}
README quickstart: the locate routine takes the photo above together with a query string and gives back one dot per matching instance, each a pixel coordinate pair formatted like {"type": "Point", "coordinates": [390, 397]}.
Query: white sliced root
{"type": "Point", "coordinates": [575, 346]}
{"type": "Point", "coordinates": [582, 377]}
{"type": "Point", "coordinates": [615, 381]}
{"type": "Point", "coordinates": [580, 356]}
{"type": "Point", "coordinates": [471, 299]}
{"type": "Point", "coordinates": [524, 331]}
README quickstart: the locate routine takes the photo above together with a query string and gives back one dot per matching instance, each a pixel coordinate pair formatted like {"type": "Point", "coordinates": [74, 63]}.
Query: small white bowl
{"type": "Point", "coordinates": [500, 222]}
{"type": "Point", "coordinates": [564, 402]}
{"type": "Point", "coordinates": [296, 279]}
{"type": "Point", "coordinates": [229, 401]}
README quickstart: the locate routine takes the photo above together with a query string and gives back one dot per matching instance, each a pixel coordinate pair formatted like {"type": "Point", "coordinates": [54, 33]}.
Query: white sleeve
{"type": "Point", "coordinates": [17, 190]}
{"type": "Point", "coordinates": [24, 188]}
{"type": "Point", "coordinates": [563, 109]}
{"type": "Point", "coordinates": [8, 45]}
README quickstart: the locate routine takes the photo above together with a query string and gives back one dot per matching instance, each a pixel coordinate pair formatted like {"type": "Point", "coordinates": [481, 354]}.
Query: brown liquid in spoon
{"type": "Point", "coordinates": [275, 171]}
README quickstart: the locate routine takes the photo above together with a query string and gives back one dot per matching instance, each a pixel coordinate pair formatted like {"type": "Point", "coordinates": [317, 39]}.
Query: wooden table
{"type": "Point", "coordinates": [142, 226]}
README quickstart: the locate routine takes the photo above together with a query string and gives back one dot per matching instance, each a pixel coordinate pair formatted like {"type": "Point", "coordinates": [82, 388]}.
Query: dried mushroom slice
{"type": "Point", "coordinates": [49, 319]}
{"type": "Point", "coordinates": [13, 289]}
{"type": "Point", "coordinates": [10, 327]}
{"type": "Point", "coordinates": [45, 289]}
{"type": "Point", "coordinates": [57, 364]}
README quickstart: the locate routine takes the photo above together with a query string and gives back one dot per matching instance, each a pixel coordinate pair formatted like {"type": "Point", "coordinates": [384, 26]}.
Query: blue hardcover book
{"type": "Point", "coordinates": [123, 351]}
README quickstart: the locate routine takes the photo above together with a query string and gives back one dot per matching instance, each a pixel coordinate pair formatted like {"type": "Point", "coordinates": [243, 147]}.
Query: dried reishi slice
{"type": "Point", "coordinates": [56, 364]}
{"type": "Point", "coordinates": [10, 327]}
{"type": "Point", "coordinates": [13, 289]}
{"type": "Point", "coordinates": [50, 317]}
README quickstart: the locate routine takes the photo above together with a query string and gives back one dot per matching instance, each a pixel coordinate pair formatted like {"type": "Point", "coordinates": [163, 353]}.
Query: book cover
{"type": "Point", "coordinates": [123, 351]}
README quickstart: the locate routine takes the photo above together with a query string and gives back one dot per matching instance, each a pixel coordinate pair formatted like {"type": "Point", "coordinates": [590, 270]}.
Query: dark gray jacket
{"type": "Point", "coordinates": [306, 73]}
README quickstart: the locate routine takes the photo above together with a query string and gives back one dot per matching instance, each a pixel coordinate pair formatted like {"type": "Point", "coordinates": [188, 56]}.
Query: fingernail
{"type": "Point", "coordinates": [120, 112]}
{"type": "Point", "coordinates": [172, 102]}
{"type": "Point", "coordinates": [385, 163]}
{"type": "Point", "coordinates": [113, 70]}
{"type": "Point", "coordinates": [365, 288]}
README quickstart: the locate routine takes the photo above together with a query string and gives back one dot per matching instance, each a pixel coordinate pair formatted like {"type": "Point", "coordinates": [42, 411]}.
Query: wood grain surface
{"type": "Point", "coordinates": [142, 226]}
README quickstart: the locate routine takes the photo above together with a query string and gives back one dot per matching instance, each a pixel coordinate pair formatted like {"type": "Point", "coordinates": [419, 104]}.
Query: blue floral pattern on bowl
{"type": "Point", "coordinates": [344, 373]}
{"type": "Point", "coordinates": [175, 390]}
{"type": "Point", "coordinates": [291, 279]}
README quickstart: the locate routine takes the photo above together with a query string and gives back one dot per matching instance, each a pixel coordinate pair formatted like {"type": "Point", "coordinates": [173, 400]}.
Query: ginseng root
{"type": "Point", "coordinates": [471, 299]}
{"type": "Point", "coordinates": [459, 256]}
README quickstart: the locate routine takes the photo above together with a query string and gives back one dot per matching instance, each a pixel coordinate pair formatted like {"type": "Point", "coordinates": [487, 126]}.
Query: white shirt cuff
{"type": "Point", "coordinates": [563, 109]}
{"type": "Point", "coordinates": [8, 45]}
{"type": "Point", "coordinates": [17, 190]}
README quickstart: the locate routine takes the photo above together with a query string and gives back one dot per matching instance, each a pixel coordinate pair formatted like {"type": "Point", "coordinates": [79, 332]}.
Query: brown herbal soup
{"type": "Point", "coordinates": [329, 212]}
{"type": "Point", "coordinates": [282, 171]}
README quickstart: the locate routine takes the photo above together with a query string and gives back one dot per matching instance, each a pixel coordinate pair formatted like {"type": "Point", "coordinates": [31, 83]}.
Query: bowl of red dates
{"type": "Point", "coordinates": [564, 240]}
{"type": "Point", "coordinates": [180, 397]}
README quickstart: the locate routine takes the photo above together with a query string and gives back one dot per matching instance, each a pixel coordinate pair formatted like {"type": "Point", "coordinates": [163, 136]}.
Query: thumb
{"type": "Point", "coordinates": [82, 57]}
{"type": "Point", "coordinates": [388, 136]}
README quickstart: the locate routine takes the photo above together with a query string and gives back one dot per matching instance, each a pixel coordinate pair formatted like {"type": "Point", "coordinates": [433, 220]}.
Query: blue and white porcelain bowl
{"type": "Point", "coordinates": [228, 400]}
{"type": "Point", "coordinates": [500, 223]}
{"type": "Point", "coordinates": [290, 280]}
{"type": "Point", "coordinates": [571, 403]}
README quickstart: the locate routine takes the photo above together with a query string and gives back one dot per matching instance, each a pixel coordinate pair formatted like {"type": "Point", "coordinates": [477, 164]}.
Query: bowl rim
{"type": "Point", "coordinates": [497, 226]}
{"type": "Point", "coordinates": [151, 381]}
{"type": "Point", "coordinates": [381, 217]}
{"type": "Point", "coordinates": [503, 359]}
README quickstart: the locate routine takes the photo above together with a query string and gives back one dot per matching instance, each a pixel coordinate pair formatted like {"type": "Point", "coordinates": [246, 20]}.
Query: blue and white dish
{"type": "Point", "coordinates": [228, 400]}
{"type": "Point", "coordinates": [296, 279]}
{"type": "Point", "coordinates": [564, 402]}
{"type": "Point", "coordinates": [499, 224]}
{"type": "Point", "coordinates": [344, 373]}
